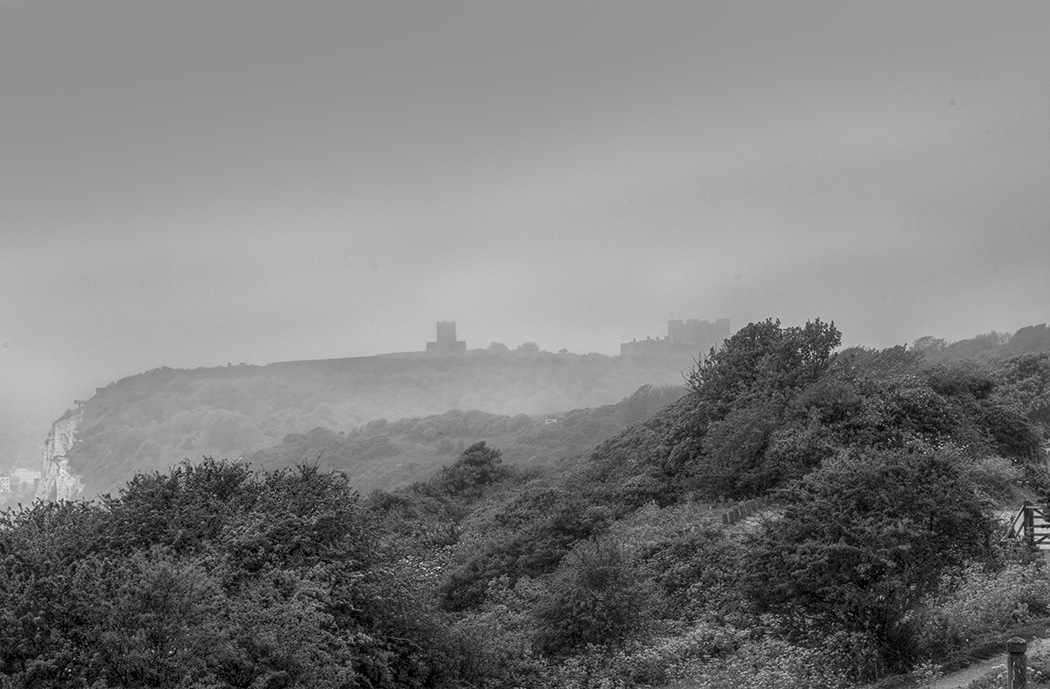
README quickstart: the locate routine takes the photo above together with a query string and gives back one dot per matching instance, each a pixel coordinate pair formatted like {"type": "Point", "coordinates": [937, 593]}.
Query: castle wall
{"type": "Point", "coordinates": [684, 338]}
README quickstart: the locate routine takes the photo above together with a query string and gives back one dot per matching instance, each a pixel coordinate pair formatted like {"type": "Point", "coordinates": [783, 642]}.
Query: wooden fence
{"type": "Point", "coordinates": [1030, 525]}
{"type": "Point", "coordinates": [742, 511]}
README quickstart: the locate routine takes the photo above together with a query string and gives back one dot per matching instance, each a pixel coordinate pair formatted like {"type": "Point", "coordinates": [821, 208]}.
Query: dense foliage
{"type": "Point", "coordinates": [884, 469]}
{"type": "Point", "coordinates": [862, 540]}
{"type": "Point", "coordinates": [878, 549]}
{"type": "Point", "coordinates": [211, 575]}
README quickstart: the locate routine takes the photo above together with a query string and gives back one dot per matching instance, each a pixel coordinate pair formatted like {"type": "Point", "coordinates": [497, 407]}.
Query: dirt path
{"type": "Point", "coordinates": [961, 679]}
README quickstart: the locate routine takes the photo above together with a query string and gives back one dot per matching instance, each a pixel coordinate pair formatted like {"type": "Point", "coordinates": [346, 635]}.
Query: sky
{"type": "Point", "coordinates": [198, 182]}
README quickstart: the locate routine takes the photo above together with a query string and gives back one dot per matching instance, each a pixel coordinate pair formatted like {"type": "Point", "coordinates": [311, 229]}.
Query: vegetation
{"type": "Point", "coordinates": [211, 576]}
{"type": "Point", "coordinates": [993, 346]}
{"type": "Point", "coordinates": [389, 454]}
{"type": "Point", "coordinates": [611, 567]}
{"type": "Point", "coordinates": [153, 421]}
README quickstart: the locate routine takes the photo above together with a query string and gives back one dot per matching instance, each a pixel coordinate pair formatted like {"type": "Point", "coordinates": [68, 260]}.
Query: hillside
{"type": "Point", "coordinates": [154, 420]}
{"type": "Point", "coordinates": [878, 550]}
{"type": "Point", "coordinates": [387, 455]}
{"type": "Point", "coordinates": [885, 474]}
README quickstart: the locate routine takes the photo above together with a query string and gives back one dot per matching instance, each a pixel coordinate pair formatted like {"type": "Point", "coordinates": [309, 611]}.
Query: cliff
{"type": "Point", "coordinates": [57, 481]}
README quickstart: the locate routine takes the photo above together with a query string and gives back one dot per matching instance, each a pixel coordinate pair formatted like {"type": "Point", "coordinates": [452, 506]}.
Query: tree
{"type": "Point", "coordinates": [528, 347]}
{"type": "Point", "coordinates": [477, 467]}
{"type": "Point", "coordinates": [928, 345]}
{"type": "Point", "coordinates": [528, 536]}
{"type": "Point", "coordinates": [764, 360]}
{"type": "Point", "coordinates": [1024, 382]}
{"type": "Point", "coordinates": [862, 540]}
{"type": "Point", "coordinates": [734, 450]}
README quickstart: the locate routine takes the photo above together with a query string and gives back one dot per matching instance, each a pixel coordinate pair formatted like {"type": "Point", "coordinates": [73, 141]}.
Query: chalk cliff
{"type": "Point", "coordinates": [57, 482]}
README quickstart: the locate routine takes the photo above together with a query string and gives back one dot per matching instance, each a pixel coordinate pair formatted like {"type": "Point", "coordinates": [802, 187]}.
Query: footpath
{"type": "Point", "coordinates": [961, 679]}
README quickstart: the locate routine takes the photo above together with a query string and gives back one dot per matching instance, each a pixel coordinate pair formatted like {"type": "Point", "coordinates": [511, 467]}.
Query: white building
{"type": "Point", "coordinates": [24, 477]}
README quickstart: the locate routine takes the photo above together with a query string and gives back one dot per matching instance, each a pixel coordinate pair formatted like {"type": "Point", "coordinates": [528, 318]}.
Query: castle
{"type": "Point", "coordinates": [691, 338]}
{"type": "Point", "coordinates": [684, 338]}
{"type": "Point", "coordinates": [446, 339]}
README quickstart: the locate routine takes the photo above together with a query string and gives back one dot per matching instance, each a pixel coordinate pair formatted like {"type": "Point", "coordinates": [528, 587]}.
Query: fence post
{"type": "Point", "coordinates": [1016, 672]}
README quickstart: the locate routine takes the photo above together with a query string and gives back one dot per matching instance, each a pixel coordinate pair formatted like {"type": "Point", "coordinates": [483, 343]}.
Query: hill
{"type": "Point", "coordinates": [152, 421]}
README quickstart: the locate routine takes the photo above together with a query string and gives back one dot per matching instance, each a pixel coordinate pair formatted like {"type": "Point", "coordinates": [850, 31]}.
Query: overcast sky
{"type": "Point", "coordinates": [195, 182]}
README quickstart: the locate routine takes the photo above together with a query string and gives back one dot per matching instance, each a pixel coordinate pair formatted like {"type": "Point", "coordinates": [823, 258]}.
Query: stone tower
{"type": "Point", "coordinates": [446, 339]}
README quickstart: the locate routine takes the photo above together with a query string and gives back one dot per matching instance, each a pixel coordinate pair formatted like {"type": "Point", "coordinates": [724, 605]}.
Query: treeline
{"type": "Point", "coordinates": [991, 346]}
{"type": "Point", "coordinates": [880, 552]}
{"type": "Point", "coordinates": [386, 454]}
{"type": "Point", "coordinates": [153, 421]}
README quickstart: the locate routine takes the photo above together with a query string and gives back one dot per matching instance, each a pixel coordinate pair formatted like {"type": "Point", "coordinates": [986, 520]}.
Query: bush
{"type": "Point", "coordinates": [863, 540]}
{"type": "Point", "coordinates": [995, 475]}
{"type": "Point", "coordinates": [982, 601]}
{"type": "Point", "coordinates": [212, 575]}
{"type": "Point", "coordinates": [477, 467]}
{"type": "Point", "coordinates": [775, 664]}
{"type": "Point", "coordinates": [595, 598]}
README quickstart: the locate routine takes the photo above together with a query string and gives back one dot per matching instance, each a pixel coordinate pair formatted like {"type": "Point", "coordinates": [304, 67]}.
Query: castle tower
{"type": "Point", "coordinates": [446, 339]}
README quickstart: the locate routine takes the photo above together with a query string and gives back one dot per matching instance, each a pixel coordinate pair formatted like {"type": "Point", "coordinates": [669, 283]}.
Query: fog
{"type": "Point", "coordinates": [194, 183]}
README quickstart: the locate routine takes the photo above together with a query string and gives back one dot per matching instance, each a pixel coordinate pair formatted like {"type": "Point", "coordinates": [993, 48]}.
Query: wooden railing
{"type": "Point", "coordinates": [1030, 525]}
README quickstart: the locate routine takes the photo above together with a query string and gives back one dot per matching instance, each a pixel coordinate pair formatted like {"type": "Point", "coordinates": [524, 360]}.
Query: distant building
{"type": "Point", "coordinates": [446, 339]}
{"type": "Point", "coordinates": [692, 338]}
{"type": "Point", "coordinates": [23, 478]}
{"type": "Point", "coordinates": [5, 484]}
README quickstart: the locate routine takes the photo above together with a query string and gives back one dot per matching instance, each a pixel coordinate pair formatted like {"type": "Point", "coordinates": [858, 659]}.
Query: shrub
{"type": "Point", "coordinates": [995, 475]}
{"type": "Point", "coordinates": [774, 664]}
{"type": "Point", "coordinates": [862, 541]}
{"type": "Point", "coordinates": [982, 601]}
{"type": "Point", "coordinates": [477, 467]}
{"type": "Point", "coordinates": [595, 598]}
{"type": "Point", "coordinates": [492, 647]}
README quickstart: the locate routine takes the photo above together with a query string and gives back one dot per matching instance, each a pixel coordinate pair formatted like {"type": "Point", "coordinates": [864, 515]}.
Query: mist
{"type": "Point", "coordinates": [195, 183]}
